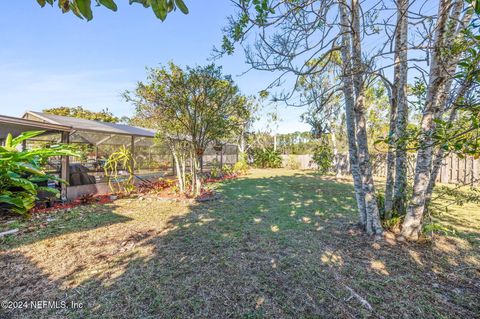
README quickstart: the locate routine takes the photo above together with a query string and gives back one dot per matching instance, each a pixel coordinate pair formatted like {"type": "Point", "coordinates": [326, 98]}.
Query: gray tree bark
{"type": "Point", "coordinates": [439, 76]}
{"type": "Point", "coordinates": [390, 155]}
{"type": "Point", "coordinates": [336, 163]}
{"type": "Point", "coordinates": [349, 112]}
{"type": "Point", "coordinates": [440, 152]}
{"type": "Point", "coordinates": [373, 225]}
{"type": "Point", "coordinates": [401, 68]}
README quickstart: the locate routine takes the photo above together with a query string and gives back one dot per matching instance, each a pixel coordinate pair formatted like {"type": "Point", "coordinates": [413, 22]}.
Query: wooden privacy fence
{"type": "Point", "coordinates": [454, 170]}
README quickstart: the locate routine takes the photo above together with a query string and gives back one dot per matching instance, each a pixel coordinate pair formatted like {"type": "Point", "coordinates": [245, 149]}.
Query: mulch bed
{"type": "Point", "coordinates": [96, 199]}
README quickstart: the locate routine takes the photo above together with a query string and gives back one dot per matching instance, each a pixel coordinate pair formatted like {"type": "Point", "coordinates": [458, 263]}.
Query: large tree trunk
{"type": "Point", "coordinates": [401, 68]}
{"type": "Point", "coordinates": [373, 225]}
{"type": "Point", "coordinates": [347, 89]}
{"type": "Point", "coordinates": [412, 224]}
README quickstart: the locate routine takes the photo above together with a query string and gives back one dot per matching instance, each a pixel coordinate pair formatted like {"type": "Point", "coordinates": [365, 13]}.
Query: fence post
{"type": "Point", "coordinates": [132, 150]}
{"type": "Point", "coordinates": [475, 174]}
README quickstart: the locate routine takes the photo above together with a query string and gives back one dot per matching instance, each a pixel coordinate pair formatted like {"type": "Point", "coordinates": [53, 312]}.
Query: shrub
{"type": "Point", "coordinates": [292, 162]}
{"type": "Point", "coordinates": [323, 157]}
{"type": "Point", "coordinates": [240, 167]}
{"type": "Point", "coordinates": [393, 224]}
{"type": "Point", "coordinates": [227, 169]}
{"type": "Point", "coordinates": [266, 158]}
{"type": "Point", "coordinates": [215, 172]}
{"type": "Point", "coordinates": [21, 172]}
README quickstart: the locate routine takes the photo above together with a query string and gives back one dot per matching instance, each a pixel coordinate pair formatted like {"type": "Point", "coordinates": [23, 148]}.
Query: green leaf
{"type": "Point", "coordinates": [41, 3]}
{"type": "Point", "coordinates": [110, 4]}
{"type": "Point", "coordinates": [159, 9]}
{"type": "Point", "coordinates": [142, 2]}
{"type": "Point", "coordinates": [25, 136]}
{"type": "Point", "coordinates": [11, 200]}
{"type": "Point", "coordinates": [170, 5]}
{"type": "Point", "coordinates": [48, 190]}
{"type": "Point", "coordinates": [181, 5]}
{"type": "Point", "coordinates": [64, 5]}
{"type": "Point", "coordinates": [29, 168]}
{"type": "Point", "coordinates": [75, 10]}
{"type": "Point", "coordinates": [24, 183]}
{"type": "Point", "coordinates": [8, 140]}
{"type": "Point", "coordinates": [85, 8]}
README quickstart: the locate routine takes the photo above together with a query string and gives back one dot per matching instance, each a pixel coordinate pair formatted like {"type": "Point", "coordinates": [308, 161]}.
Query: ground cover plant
{"type": "Point", "coordinates": [277, 244]}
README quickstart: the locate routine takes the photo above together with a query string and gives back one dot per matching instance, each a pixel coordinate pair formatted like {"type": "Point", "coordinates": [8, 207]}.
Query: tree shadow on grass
{"type": "Point", "coordinates": [81, 218]}
{"type": "Point", "coordinates": [279, 247]}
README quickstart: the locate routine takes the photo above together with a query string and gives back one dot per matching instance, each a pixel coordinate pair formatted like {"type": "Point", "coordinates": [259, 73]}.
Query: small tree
{"type": "Point", "coordinates": [190, 109]}
{"type": "Point", "coordinates": [323, 157]}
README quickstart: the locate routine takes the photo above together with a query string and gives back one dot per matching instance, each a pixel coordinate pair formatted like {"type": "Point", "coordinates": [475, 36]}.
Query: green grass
{"type": "Point", "coordinates": [278, 244]}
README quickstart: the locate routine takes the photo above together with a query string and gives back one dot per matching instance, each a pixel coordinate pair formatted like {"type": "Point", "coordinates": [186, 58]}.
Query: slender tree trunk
{"type": "Point", "coordinates": [182, 166]}
{"type": "Point", "coordinates": [349, 113]}
{"type": "Point", "coordinates": [373, 225]}
{"type": "Point", "coordinates": [401, 68]}
{"type": "Point", "coordinates": [412, 224]}
{"type": "Point", "coordinates": [390, 159]}
{"type": "Point", "coordinates": [197, 179]}
{"type": "Point", "coordinates": [195, 168]}
{"type": "Point", "coordinates": [242, 144]}
{"type": "Point", "coordinates": [453, 28]}
{"type": "Point", "coordinates": [442, 68]}
{"type": "Point", "coordinates": [440, 152]}
{"type": "Point", "coordinates": [177, 170]}
{"type": "Point", "coordinates": [336, 163]}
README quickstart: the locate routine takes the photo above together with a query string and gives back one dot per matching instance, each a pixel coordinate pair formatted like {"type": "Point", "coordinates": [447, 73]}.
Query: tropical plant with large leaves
{"type": "Point", "coordinates": [83, 8]}
{"type": "Point", "coordinates": [21, 172]}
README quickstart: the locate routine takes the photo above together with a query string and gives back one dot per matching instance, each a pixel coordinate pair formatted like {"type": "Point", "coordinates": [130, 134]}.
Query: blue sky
{"type": "Point", "coordinates": [51, 59]}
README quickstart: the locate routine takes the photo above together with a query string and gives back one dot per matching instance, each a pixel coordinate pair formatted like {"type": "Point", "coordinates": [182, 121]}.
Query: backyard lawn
{"type": "Point", "coordinates": [278, 244]}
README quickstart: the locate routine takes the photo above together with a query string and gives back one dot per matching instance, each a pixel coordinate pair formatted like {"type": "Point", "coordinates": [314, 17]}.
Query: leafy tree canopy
{"type": "Point", "coordinates": [190, 108]}
{"type": "Point", "coordinates": [83, 8]}
{"type": "Point", "coordinates": [199, 102]}
{"type": "Point", "coordinates": [80, 112]}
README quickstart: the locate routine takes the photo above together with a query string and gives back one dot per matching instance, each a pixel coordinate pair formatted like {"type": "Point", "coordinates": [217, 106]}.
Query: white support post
{"type": "Point", "coordinates": [132, 150]}
{"type": "Point", "coordinates": [64, 168]}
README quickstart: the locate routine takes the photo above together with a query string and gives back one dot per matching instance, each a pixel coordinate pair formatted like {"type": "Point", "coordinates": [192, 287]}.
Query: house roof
{"type": "Point", "coordinates": [78, 124]}
{"type": "Point", "coordinates": [81, 130]}
{"type": "Point", "coordinates": [16, 126]}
